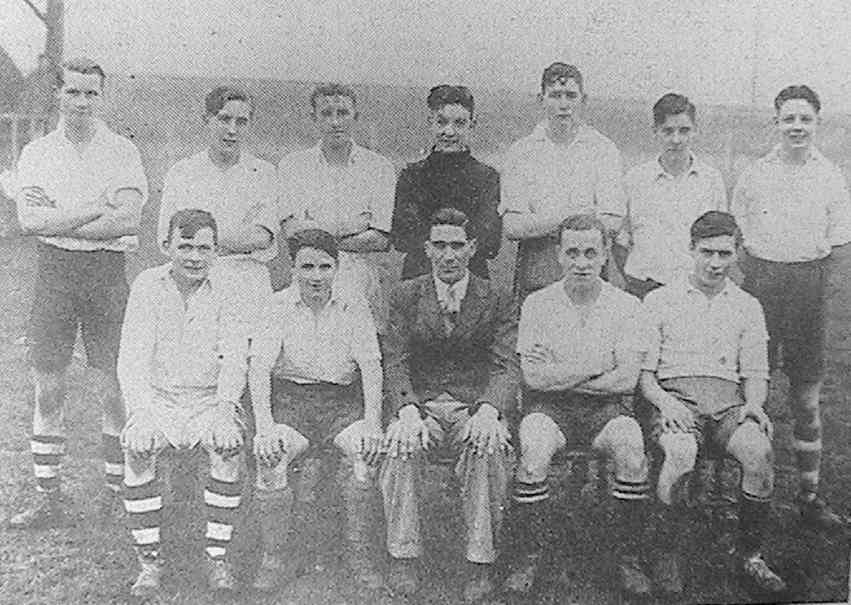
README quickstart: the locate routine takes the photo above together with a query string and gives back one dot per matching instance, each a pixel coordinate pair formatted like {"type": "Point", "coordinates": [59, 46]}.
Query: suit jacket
{"type": "Point", "coordinates": [456, 180]}
{"type": "Point", "coordinates": [475, 362]}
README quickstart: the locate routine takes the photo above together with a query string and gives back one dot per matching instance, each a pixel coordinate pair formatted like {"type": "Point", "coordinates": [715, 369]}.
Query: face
{"type": "Point", "coordinates": [796, 120]}
{"type": "Point", "coordinates": [449, 251]}
{"type": "Point", "coordinates": [227, 128]}
{"type": "Point", "coordinates": [314, 271]}
{"type": "Point", "coordinates": [582, 256]}
{"type": "Point", "coordinates": [713, 257]}
{"type": "Point", "coordinates": [191, 257]}
{"type": "Point", "coordinates": [335, 118]}
{"type": "Point", "coordinates": [563, 101]}
{"type": "Point", "coordinates": [675, 133]}
{"type": "Point", "coordinates": [79, 96]}
{"type": "Point", "coordinates": [450, 127]}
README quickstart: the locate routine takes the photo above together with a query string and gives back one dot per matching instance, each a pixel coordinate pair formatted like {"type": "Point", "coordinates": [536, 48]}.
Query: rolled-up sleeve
{"type": "Point", "coordinates": [138, 341]}
{"type": "Point", "coordinates": [839, 212]}
{"type": "Point", "coordinates": [753, 344]}
{"type": "Point", "coordinates": [609, 192]}
{"type": "Point", "coordinates": [652, 317]}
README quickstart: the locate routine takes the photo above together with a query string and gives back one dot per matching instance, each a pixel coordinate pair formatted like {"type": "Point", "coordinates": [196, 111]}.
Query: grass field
{"type": "Point", "coordinates": [93, 562]}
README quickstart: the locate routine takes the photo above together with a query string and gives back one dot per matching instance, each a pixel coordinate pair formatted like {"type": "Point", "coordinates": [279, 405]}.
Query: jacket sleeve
{"type": "Point", "coordinates": [405, 229]}
{"type": "Point", "coordinates": [504, 378]}
{"type": "Point", "coordinates": [490, 226]}
{"type": "Point", "coordinates": [397, 377]}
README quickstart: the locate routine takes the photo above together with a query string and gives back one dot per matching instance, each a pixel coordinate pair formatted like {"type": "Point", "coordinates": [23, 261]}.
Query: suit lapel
{"type": "Point", "coordinates": [430, 313]}
{"type": "Point", "coordinates": [472, 306]}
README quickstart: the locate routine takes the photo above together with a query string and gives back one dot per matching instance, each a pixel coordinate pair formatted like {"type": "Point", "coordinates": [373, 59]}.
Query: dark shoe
{"type": "Point", "coordinates": [817, 512]}
{"type": "Point", "coordinates": [666, 575]}
{"type": "Point", "coordinates": [47, 511]}
{"type": "Point", "coordinates": [522, 579]}
{"type": "Point", "coordinates": [402, 579]}
{"type": "Point", "coordinates": [632, 579]}
{"type": "Point", "coordinates": [147, 583]}
{"type": "Point", "coordinates": [757, 570]}
{"type": "Point", "coordinates": [479, 585]}
{"type": "Point", "coordinates": [220, 575]}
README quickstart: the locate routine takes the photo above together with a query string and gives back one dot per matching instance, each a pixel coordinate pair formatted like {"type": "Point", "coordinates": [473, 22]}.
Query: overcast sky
{"type": "Point", "coordinates": [627, 48]}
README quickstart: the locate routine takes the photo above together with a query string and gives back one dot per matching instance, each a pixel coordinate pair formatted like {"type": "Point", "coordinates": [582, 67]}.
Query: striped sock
{"type": "Point", "coordinates": [143, 504]}
{"type": "Point", "coordinates": [47, 452]}
{"type": "Point", "coordinates": [113, 462]}
{"type": "Point", "coordinates": [528, 493]}
{"type": "Point", "coordinates": [222, 501]}
{"type": "Point", "coordinates": [630, 490]}
{"type": "Point", "coordinates": [754, 512]}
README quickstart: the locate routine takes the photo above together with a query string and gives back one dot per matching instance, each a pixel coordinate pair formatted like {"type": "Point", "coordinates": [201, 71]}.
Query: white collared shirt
{"type": "Point", "coordinates": [543, 177]}
{"type": "Point", "coordinates": [312, 188]}
{"type": "Point", "coordinates": [451, 302]}
{"type": "Point", "coordinates": [792, 213]}
{"type": "Point", "coordinates": [304, 347]}
{"type": "Point", "coordinates": [181, 349]}
{"type": "Point", "coordinates": [662, 208]}
{"type": "Point", "coordinates": [73, 178]}
{"type": "Point", "coordinates": [590, 338]}
{"type": "Point", "coordinates": [694, 335]}
{"type": "Point", "coordinates": [243, 193]}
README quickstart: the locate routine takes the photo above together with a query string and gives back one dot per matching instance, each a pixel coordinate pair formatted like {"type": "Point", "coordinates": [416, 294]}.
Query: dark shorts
{"type": "Point", "coordinates": [793, 299]}
{"type": "Point", "coordinates": [317, 411]}
{"type": "Point", "coordinates": [580, 418]}
{"type": "Point", "coordinates": [640, 287]}
{"type": "Point", "coordinates": [77, 288]}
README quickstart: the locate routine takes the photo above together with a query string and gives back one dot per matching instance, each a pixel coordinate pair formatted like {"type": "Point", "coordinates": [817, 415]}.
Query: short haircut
{"type": "Point", "coordinates": [190, 221]}
{"type": "Point", "coordinates": [714, 224]}
{"type": "Point", "coordinates": [80, 65]}
{"type": "Point", "coordinates": [672, 104]}
{"type": "Point", "coordinates": [448, 94]}
{"type": "Point", "coordinates": [583, 222]}
{"type": "Point", "coordinates": [313, 238]}
{"type": "Point", "coordinates": [561, 72]}
{"type": "Point", "coordinates": [798, 91]}
{"type": "Point", "coordinates": [332, 89]}
{"type": "Point", "coordinates": [220, 95]}
{"type": "Point", "coordinates": [454, 217]}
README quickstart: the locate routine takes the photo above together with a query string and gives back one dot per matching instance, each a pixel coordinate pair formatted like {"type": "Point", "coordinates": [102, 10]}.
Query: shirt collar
{"type": "Point", "coordinates": [166, 279]}
{"type": "Point", "coordinates": [539, 133]}
{"type": "Point", "coordinates": [605, 292]}
{"type": "Point", "coordinates": [460, 287]}
{"type": "Point", "coordinates": [726, 291]}
{"type": "Point", "coordinates": [355, 154]}
{"type": "Point", "coordinates": [696, 167]}
{"type": "Point", "coordinates": [775, 155]}
{"type": "Point", "coordinates": [292, 295]}
{"type": "Point", "coordinates": [98, 125]}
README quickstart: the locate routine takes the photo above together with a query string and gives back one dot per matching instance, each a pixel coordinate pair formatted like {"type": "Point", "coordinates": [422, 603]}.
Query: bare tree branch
{"type": "Point", "coordinates": [35, 9]}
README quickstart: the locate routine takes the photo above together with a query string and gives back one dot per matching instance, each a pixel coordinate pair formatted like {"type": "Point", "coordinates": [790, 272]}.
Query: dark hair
{"type": "Point", "coordinates": [583, 222]}
{"type": "Point", "coordinates": [672, 104]}
{"type": "Point", "coordinates": [190, 221]}
{"type": "Point", "coordinates": [313, 238]}
{"type": "Point", "coordinates": [80, 65]}
{"type": "Point", "coordinates": [714, 224]}
{"type": "Point", "coordinates": [561, 72]}
{"type": "Point", "coordinates": [799, 91]}
{"type": "Point", "coordinates": [332, 89]}
{"type": "Point", "coordinates": [447, 94]}
{"type": "Point", "coordinates": [220, 95]}
{"type": "Point", "coordinates": [451, 216]}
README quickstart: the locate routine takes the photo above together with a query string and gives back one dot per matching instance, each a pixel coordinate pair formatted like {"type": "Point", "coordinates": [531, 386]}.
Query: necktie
{"type": "Point", "coordinates": [450, 309]}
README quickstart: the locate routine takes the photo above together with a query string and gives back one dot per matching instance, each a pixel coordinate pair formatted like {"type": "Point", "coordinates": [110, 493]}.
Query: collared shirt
{"type": "Point", "coordinates": [792, 213]}
{"type": "Point", "coordinates": [245, 193]}
{"type": "Point", "coordinates": [312, 188]}
{"type": "Point", "coordinates": [330, 346]}
{"type": "Point", "coordinates": [662, 208]}
{"type": "Point", "coordinates": [180, 349]}
{"type": "Point", "coordinates": [591, 338]}
{"type": "Point", "coordinates": [73, 178]}
{"type": "Point", "coordinates": [543, 177]}
{"type": "Point", "coordinates": [451, 302]}
{"type": "Point", "coordinates": [694, 335]}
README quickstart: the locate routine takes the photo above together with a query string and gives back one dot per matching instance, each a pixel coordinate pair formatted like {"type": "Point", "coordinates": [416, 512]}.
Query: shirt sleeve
{"type": "Point", "coordinates": [652, 316]}
{"type": "Point", "coordinates": [169, 203]}
{"type": "Point", "coordinates": [839, 212]}
{"type": "Point", "coordinates": [742, 202]}
{"type": "Point", "coordinates": [136, 351]}
{"type": "Point", "coordinates": [514, 185]}
{"type": "Point", "coordinates": [719, 193]}
{"type": "Point", "coordinates": [364, 335]}
{"type": "Point", "coordinates": [753, 345]}
{"type": "Point", "coordinates": [529, 329]}
{"type": "Point", "coordinates": [268, 342]}
{"type": "Point", "coordinates": [634, 333]}
{"type": "Point", "coordinates": [131, 174]}
{"type": "Point", "coordinates": [609, 192]}
{"type": "Point", "coordinates": [381, 204]}
{"type": "Point", "coordinates": [233, 350]}
{"type": "Point", "coordinates": [27, 174]}
{"type": "Point", "coordinates": [267, 207]}
{"type": "Point", "coordinates": [290, 189]}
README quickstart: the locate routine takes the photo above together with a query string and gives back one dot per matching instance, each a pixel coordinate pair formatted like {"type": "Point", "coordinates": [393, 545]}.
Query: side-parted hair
{"type": "Point", "coordinates": [313, 238]}
{"type": "Point", "coordinates": [220, 95]}
{"type": "Point", "coordinates": [449, 94]}
{"type": "Point", "coordinates": [672, 104]}
{"type": "Point", "coordinates": [454, 217]}
{"type": "Point", "coordinates": [561, 72]}
{"type": "Point", "coordinates": [190, 221]}
{"type": "Point", "coordinates": [714, 224]}
{"type": "Point", "coordinates": [584, 222]}
{"type": "Point", "coordinates": [80, 65]}
{"type": "Point", "coordinates": [797, 91]}
{"type": "Point", "coordinates": [332, 89]}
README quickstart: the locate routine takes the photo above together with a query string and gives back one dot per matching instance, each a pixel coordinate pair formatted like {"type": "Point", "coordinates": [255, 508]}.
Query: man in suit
{"type": "Point", "coordinates": [451, 376]}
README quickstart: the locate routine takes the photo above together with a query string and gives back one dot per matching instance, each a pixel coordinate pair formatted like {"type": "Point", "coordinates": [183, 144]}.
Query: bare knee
{"type": "Point", "coordinates": [539, 439]}
{"type": "Point", "coordinates": [752, 449]}
{"type": "Point", "coordinates": [680, 450]}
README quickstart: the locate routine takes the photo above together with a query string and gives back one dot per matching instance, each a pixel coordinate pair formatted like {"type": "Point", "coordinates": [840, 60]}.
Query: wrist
{"type": "Point", "coordinates": [410, 412]}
